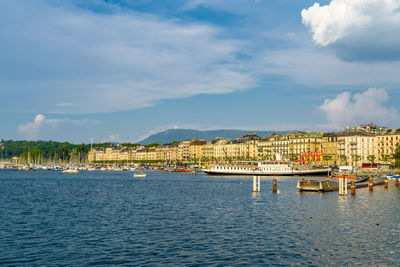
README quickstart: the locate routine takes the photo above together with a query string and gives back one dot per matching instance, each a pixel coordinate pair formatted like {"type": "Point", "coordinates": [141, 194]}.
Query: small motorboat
{"type": "Point", "coordinates": [140, 174]}
{"type": "Point", "coordinates": [70, 171]}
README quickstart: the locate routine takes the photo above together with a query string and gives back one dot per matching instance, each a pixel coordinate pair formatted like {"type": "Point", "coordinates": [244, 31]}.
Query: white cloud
{"type": "Point", "coordinates": [357, 29]}
{"type": "Point", "coordinates": [32, 130]}
{"type": "Point", "coordinates": [104, 62]}
{"type": "Point", "coordinates": [66, 104]}
{"type": "Point", "coordinates": [322, 68]}
{"type": "Point", "coordinates": [369, 106]}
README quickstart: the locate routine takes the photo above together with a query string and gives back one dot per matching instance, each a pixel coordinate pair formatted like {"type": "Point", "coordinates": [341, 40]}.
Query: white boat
{"type": "Point", "coordinates": [264, 168]}
{"type": "Point", "coordinates": [70, 171]}
{"type": "Point", "coordinates": [139, 174]}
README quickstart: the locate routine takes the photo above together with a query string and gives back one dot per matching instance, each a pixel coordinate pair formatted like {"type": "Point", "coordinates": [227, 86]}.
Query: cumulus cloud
{"type": "Point", "coordinates": [32, 130]}
{"type": "Point", "coordinates": [369, 106]}
{"type": "Point", "coordinates": [109, 61]}
{"type": "Point", "coordinates": [357, 29]}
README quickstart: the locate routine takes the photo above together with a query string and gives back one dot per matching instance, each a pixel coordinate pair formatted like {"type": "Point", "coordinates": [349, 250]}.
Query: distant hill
{"type": "Point", "coordinates": [168, 136]}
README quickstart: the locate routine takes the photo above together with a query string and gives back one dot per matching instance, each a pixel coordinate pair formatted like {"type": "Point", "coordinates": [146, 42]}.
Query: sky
{"type": "Point", "coordinates": [120, 70]}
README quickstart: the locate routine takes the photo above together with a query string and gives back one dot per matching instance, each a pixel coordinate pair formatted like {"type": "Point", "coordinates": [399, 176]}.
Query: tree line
{"type": "Point", "coordinates": [48, 151]}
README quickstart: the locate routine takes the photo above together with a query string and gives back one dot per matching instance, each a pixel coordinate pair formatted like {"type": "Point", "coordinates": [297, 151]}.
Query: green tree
{"type": "Point", "coordinates": [327, 158]}
{"type": "Point", "coordinates": [343, 159]}
{"type": "Point", "coordinates": [371, 158]}
{"type": "Point", "coordinates": [385, 158]}
{"type": "Point", "coordinates": [356, 159]}
{"type": "Point", "coordinates": [396, 156]}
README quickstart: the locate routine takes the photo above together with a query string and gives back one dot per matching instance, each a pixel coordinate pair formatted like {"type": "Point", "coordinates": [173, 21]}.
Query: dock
{"type": "Point", "coordinates": [329, 186]}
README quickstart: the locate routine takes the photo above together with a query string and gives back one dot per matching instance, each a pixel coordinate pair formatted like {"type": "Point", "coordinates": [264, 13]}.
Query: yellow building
{"type": "Point", "coordinates": [305, 148]}
{"type": "Point", "coordinates": [386, 145]}
{"type": "Point", "coordinates": [196, 149]}
{"type": "Point", "coordinates": [329, 149]}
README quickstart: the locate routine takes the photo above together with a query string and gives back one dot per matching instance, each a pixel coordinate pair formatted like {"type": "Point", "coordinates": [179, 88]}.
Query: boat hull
{"type": "Point", "coordinates": [317, 172]}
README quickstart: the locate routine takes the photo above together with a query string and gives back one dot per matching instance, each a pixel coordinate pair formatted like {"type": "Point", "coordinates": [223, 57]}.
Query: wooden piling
{"type": "Point", "coordinates": [386, 183]}
{"type": "Point", "coordinates": [353, 188]}
{"type": "Point", "coordinates": [256, 183]}
{"type": "Point", "coordinates": [397, 182]}
{"type": "Point", "coordinates": [370, 184]}
{"type": "Point", "coordinates": [274, 186]}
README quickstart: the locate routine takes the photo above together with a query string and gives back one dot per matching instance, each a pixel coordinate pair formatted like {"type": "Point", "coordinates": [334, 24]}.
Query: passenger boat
{"type": "Point", "coordinates": [263, 168]}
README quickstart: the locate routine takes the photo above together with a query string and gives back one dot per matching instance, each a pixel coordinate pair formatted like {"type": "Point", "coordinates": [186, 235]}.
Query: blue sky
{"type": "Point", "coordinates": [119, 70]}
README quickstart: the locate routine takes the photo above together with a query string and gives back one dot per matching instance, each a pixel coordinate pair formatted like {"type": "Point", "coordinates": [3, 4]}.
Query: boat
{"type": "Point", "coordinates": [70, 171]}
{"type": "Point", "coordinates": [263, 168]}
{"type": "Point", "coordinates": [140, 174]}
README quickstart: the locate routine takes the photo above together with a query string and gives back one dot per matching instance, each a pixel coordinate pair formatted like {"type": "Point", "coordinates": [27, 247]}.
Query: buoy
{"type": "Point", "coordinates": [353, 188]}
{"type": "Point", "coordinates": [274, 186]}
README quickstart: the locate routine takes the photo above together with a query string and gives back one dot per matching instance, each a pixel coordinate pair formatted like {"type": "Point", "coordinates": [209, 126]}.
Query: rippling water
{"type": "Point", "coordinates": [111, 218]}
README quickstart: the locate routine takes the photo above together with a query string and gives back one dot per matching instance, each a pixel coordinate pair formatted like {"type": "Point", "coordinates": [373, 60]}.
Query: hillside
{"type": "Point", "coordinates": [171, 135]}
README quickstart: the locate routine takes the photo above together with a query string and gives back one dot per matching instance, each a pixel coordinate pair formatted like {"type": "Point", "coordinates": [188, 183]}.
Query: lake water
{"type": "Point", "coordinates": [110, 218]}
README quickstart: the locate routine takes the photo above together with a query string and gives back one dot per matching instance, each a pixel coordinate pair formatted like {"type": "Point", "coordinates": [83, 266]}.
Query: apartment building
{"type": "Point", "coordinates": [386, 145]}
{"type": "Point", "coordinates": [306, 148]}
{"type": "Point", "coordinates": [356, 147]}
{"type": "Point", "coordinates": [329, 148]}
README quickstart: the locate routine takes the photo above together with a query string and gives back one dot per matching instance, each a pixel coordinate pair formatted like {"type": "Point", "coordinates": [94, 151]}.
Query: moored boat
{"type": "Point", "coordinates": [140, 174]}
{"type": "Point", "coordinates": [263, 168]}
{"type": "Point", "coordinates": [70, 171]}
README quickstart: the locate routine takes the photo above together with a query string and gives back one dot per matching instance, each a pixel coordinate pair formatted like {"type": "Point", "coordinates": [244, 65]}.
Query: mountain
{"type": "Point", "coordinates": [168, 136]}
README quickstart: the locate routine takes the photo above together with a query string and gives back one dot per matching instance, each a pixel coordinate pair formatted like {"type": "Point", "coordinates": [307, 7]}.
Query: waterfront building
{"type": "Point", "coordinates": [369, 128]}
{"type": "Point", "coordinates": [280, 147]}
{"type": "Point", "coordinates": [356, 147]}
{"type": "Point", "coordinates": [191, 150]}
{"type": "Point", "coordinates": [167, 153]}
{"type": "Point", "coordinates": [274, 147]}
{"type": "Point", "coordinates": [264, 148]}
{"type": "Point", "coordinates": [386, 145]}
{"type": "Point", "coordinates": [305, 148]}
{"type": "Point", "coordinates": [183, 150]}
{"type": "Point", "coordinates": [96, 154]}
{"type": "Point", "coordinates": [329, 149]}
{"type": "Point", "coordinates": [208, 151]}
{"type": "Point", "coordinates": [196, 149]}
{"type": "Point", "coordinates": [220, 149]}
{"type": "Point", "coordinates": [141, 154]}
{"type": "Point", "coordinates": [248, 137]}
